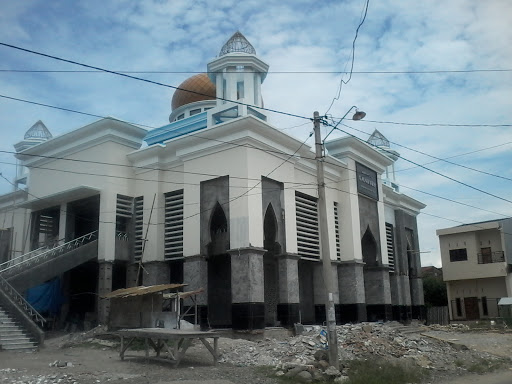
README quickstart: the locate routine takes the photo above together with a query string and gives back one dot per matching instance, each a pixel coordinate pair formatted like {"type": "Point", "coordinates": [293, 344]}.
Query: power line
{"type": "Point", "coordinates": [146, 80]}
{"type": "Point", "coordinates": [462, 154]}
{"type": "Point", "coordinates": [440, 71]}
{"type": "Point", "coordinates": [249, 190]}
{"type": "Point", "coordinates": [435, 157]}
{"type": "Point", "coordinates": [431, 170]}
{"type": "Point", "coordinates": [438, 124]}
{"type": "Point", "coordinates": [353, 58]}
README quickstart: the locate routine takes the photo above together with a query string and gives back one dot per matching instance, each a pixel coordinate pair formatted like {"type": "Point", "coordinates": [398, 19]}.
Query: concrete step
{"type": "Point", "coordinates": [10, 335]}
{"type": "Point", "coordinates": [20, 346]}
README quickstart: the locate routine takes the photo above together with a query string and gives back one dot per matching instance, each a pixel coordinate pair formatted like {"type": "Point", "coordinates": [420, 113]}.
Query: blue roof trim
{"type": "Point", "coordinates": [177, 128]}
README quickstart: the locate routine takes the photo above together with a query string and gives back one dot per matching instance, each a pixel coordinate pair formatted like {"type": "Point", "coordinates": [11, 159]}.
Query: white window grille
{"type": "Point", "coordinates": [337, 230]}
{"type": "Point", "coordinates": [173, 229]}
{"type": "Point", "coordinates": [139, 227]}
{"type": "Point", "coordinates": [308, 237]}
{"type": "Point", "coordinates": [390, 240]}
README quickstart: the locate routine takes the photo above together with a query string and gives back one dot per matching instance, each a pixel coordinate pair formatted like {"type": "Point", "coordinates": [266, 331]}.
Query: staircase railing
{"type": "Point", "coordinates": [27, 260]}
{"type": "Point", "coordinates": [20, 301]}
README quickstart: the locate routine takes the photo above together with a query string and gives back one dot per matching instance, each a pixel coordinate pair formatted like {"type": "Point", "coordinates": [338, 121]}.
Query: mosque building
{"type": "Point", "coordinates": [216, 200]}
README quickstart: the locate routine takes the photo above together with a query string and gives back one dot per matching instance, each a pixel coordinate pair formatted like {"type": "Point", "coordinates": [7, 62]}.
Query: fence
{"type": "Point", "coordinates": [438, 315]}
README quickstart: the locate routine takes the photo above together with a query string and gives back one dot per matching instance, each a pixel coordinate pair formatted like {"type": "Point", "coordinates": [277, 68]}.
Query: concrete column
{"type": "Point", "coordinates": [249, 88]}
{"type": "Point", "coordinates": [406, 311]}
{"type": "Point", "coordinates": [417, 299]}
{"type": "Point", "coordinates": [155, 273]}
{"type": "Point", "coordinates": [63, 222]}
{"type": "Point", "coordinates": [400, 297]}
{"type": "Point", "coordinates": [107, 227]}
{"type": "Point", "coordinates": [104, 287]}
{"type": "Point", "coordinates": [231, 78]}
{"type": "Point", "coordinates": [378, 293]}
{"type": "Point", "coordinates": [351, 292]}
{"type": "Point", "coordinates": [288, 307]}
{"type": "Point", "coordinates": [319, 294]}
{"type": "Point", "coordinates": [257, 90]}
{"type": "Point", "coordinates": [247, 287]}
{"type": "Point", "coordinates": [195, 274]}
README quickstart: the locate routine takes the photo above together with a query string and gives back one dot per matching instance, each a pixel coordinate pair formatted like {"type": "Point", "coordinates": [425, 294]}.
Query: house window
{"type": "Point", "coordinates": [308, 236]}
{"type": "Point", "coordinates": [485, 310]}
{"type": "Point", "coordinates": [458, 254]}
{"type": "Point", "coordinates": [180, 117]}
{"type": "Point", "coordinates": [458, 305]}
{"type": "Point", "coordinates": [485, 256]}
{"type": "Point", "coordinates": [195, 111]}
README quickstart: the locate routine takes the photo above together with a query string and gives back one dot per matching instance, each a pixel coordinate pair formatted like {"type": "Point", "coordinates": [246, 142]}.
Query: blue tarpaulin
{"type": "Point", "coordinates": [46, 298]}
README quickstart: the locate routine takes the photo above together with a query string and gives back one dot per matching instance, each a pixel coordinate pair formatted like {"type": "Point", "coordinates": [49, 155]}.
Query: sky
{"type": "Point", "coordinates": [433, 77]}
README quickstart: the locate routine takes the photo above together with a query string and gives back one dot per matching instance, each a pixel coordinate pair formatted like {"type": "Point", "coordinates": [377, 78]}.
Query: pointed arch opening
{"type": "Point", "coordinates": [270, 225]}
{"type": "Point", "coordinates": [271, 276]}
{"type": "Point", "coordinates": [219, 243]}
{"type": "Point", "coordinates": [369, 248]}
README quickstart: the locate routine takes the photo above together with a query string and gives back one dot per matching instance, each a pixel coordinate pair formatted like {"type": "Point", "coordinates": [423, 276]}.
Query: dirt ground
{"type": "Point", "coordinates": [96, 364]}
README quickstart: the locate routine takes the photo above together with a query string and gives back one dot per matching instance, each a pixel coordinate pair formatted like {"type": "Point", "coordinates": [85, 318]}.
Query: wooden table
{"type": "Point", "coordinates": [159, 338]}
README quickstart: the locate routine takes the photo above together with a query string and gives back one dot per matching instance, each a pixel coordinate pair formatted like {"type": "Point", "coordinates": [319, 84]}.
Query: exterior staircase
{"type": "Point", "coordinates": [29, 270]}
{"type": "Point", "coordinates": [13, 336]}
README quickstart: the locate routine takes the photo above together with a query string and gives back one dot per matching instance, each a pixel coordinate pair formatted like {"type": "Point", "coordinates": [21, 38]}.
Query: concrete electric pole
{"type": "Point", "coordinates": [332, 337]}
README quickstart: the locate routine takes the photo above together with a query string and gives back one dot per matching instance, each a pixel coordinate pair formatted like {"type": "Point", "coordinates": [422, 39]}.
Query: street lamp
{"type": "Point", "coordinates": [324, 235]}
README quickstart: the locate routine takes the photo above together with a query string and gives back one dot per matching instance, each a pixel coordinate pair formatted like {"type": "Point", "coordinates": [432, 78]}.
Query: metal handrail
{"type": "Point", "coordinates": [21, 302]}
{"type": "Point", "coordinates": [18, 259]}
{"type": "Point", "coordinates": [10, 265]}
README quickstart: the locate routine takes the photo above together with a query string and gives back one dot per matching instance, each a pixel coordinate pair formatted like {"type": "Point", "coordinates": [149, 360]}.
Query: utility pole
{"type": "Point", "coordinates": [332, 337]}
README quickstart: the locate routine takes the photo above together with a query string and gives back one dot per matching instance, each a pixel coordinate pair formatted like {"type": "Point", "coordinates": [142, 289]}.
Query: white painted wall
{"type": "Point", "coordinates": [469, 269]}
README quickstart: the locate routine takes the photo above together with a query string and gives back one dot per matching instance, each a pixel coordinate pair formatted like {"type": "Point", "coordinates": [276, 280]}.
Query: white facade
{"type": "Point", "coordinates": [216, 201]}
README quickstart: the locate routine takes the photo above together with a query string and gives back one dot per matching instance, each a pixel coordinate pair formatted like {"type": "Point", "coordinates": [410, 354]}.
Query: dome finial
{"type": "Point", "coordinates": [38, 131]}
{"type": "Point", "coordinates": [237, 44]}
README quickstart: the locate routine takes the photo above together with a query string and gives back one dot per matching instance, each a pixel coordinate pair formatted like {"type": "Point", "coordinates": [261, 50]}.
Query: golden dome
{"type": "Point", "coordinates": [201, 84]}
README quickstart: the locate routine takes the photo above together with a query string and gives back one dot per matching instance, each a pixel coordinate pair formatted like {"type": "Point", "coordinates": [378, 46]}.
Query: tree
{"type": "Point", "coordinates": [434, 290]}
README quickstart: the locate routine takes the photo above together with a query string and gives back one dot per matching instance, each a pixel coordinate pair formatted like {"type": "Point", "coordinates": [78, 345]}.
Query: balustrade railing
{"type": "Point", "coordinates": [491, 257]}
{"type": "Point", "coordinates": [27, 260]}
{"type": "Point", "coordinates": [20, 301]}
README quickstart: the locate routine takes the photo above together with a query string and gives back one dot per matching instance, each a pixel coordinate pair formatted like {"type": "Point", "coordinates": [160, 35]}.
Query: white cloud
{"type": "Point", "coordinates": [291, 36]}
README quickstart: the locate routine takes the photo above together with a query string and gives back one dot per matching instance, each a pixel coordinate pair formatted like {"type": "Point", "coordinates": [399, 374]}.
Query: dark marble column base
{"type": "Point", "coordinates": [379, 312]}
{"type": "Point", "coordinates": [288, 314]}
{"type": "Point", "coordinates": [202, 315]}
{"type": "Point", "coordinates": [248, 316]}
{"type": "Point", "coordinates": [419, 312]}
{"type": "Point", "coordinates": [352, 313]}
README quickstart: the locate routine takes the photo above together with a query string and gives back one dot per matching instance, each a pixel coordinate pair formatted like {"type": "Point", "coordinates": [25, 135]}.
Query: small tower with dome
{"type": "Point", "coordinates": [37, 134]}
{"type": "Point", "coordinates": [237, 74]}
{"type": "Point", "coordinates": [379, 141]}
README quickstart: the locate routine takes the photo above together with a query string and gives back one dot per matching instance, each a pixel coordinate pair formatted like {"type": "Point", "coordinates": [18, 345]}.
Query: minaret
{"type": "Point", "coordinates": [37, 134]}
{"type": "Point", "coordinates": [379, 142]}
{"type": "Point", "coordinates": [237, 74]}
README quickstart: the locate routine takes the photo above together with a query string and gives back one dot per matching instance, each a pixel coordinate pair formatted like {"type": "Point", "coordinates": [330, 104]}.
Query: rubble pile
{"type": "Point", "coordinates": [389, 341]}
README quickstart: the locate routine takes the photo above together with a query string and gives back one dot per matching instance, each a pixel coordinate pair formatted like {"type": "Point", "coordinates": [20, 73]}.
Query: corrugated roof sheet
{"type": "Point", "coordinates": [505, 301]}
{"type": "Point", "coordinates": [141, 290]}
{"type": "Point", "coordinates": [183, 295]}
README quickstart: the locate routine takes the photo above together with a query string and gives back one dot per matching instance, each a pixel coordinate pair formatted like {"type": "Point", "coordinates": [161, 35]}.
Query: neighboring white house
{"type": "Point", "coordinates": [215, 200]}
{"type": "Point", "coordinates": [477, 262]}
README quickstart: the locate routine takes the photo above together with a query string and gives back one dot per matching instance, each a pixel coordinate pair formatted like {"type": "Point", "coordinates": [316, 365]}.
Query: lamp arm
{"type": "Point", "coordinates": [338, 123]}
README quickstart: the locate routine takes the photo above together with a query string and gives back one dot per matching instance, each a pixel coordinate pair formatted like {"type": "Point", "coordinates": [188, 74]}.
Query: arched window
{"type": "Point", "coordinates": [218, 221]}
{"type": "Point", "coordinates": [369, 247]}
